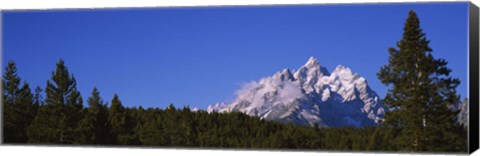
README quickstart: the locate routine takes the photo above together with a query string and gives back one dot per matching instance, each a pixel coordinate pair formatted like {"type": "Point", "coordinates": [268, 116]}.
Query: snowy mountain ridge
{"type": "Point", "coordinates": [309, 95]}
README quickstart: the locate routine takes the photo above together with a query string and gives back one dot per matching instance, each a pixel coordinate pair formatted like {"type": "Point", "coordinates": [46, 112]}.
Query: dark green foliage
{"type": "Point", "coordinates": [420, 95]}
{"type": "Point", "coordinates": [94, 127]}
{"type": "Point", "coordinates": [120, 122]}
{"type": "Point", "coordinates": [19, 107]}
{"type": "Point", "coordinates": [57, 121]}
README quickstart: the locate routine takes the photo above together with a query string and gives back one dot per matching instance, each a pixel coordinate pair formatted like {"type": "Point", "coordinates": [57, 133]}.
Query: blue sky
{"type": "Point", "coordinates": [201, 55]}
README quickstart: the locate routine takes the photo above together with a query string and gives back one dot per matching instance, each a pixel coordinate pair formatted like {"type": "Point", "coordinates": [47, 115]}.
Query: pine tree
{"type": "Point", "coordinates": [420, 92]}
{"type": "Point", "coordinates": [11, 83]}
{"type": "Point", "coordinates": [117, 118]}
{"type": "Point", "coordinates": [18, 107]}
{"type": "Point", "coordinates": [57, 120]}
{"type": "Point", "coordinates": [94, 126]}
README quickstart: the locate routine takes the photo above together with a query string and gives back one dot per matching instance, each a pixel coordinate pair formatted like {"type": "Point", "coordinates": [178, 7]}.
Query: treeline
{"type": "Point", "coordinates": [61, 118]}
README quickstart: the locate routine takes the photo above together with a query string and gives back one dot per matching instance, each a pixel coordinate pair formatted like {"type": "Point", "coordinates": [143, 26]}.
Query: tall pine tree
{"type": "Point", "coordinates": [117, 118]}
{"type": "Point", "coordinates": [420, 93]}
{"type": "Point", "coordinates": [18, 106]}
{"type": "Point", "coordinates": [94, 126]}
{"type": "Point", "coordinates": [57, 121]}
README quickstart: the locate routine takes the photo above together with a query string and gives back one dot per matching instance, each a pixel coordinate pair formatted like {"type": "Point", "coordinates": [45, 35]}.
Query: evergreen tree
{"type": "Point", "coordinates": [94, 126]}
{"type": "Point", "coordinates": [18, 107]}
{"type": "Point", "coordinates": [57, 121]}
{"type": "Point", "coordinates": [420, 92]}
{"type": "Point", "coordinates": [118, 120]}
{"type": "Point", "coordinates": [11, 83]}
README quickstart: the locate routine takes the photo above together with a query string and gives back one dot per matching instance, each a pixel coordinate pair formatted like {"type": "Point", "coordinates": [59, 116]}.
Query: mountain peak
{"type": "Point", "coordinates": [312, 62]}
{"type": "Point", "coordinates": [285, 75]}
{"type": "Point", "coordinates": [309, 95]}
{"type": "Point", "coordinates": [343, 69]}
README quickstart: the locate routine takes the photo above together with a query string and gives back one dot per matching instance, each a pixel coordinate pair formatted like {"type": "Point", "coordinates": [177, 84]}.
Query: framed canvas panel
{"type": "Point", "coordinates": [373, 78]}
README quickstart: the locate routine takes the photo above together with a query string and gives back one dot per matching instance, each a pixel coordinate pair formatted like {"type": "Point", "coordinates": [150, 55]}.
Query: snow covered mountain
{"type": "Point", "coordinates": [309, 95]}
{"type": "Point", "coordinates": [462, 116]}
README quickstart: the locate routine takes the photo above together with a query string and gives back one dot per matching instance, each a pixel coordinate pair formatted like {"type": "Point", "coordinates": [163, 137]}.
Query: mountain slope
{"type": "Point", "coordinates": [309, 95]}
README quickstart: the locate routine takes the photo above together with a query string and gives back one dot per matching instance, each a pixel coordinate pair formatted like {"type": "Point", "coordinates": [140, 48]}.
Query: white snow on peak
{"type": "Point", "coordinates": [309, 95]}
{"type": "Point", "coordinates": [312, 62]}
{"type": "Point", "coordinates": [342, 71]}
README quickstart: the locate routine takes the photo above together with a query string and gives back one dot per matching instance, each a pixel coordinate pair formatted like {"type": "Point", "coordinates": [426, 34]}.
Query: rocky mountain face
{"type": "Point", "coordinates": [310, 95]}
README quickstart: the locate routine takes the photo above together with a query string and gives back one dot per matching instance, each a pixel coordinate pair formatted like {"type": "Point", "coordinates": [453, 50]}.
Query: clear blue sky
{"type": "Point", "coordinates": [199, 56]}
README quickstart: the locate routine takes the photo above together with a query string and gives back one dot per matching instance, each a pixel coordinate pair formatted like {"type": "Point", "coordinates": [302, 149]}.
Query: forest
{"type": "Point", "coordinates": [418, 120]}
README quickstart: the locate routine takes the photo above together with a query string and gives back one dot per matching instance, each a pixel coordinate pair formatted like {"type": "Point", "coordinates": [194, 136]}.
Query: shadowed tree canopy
{"type": "Point", "coordinates": [57, 121]}
{"type": "Point", "coordinates": [95, 126]}
{"type": "Point", "coordinates": [18, 106]}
